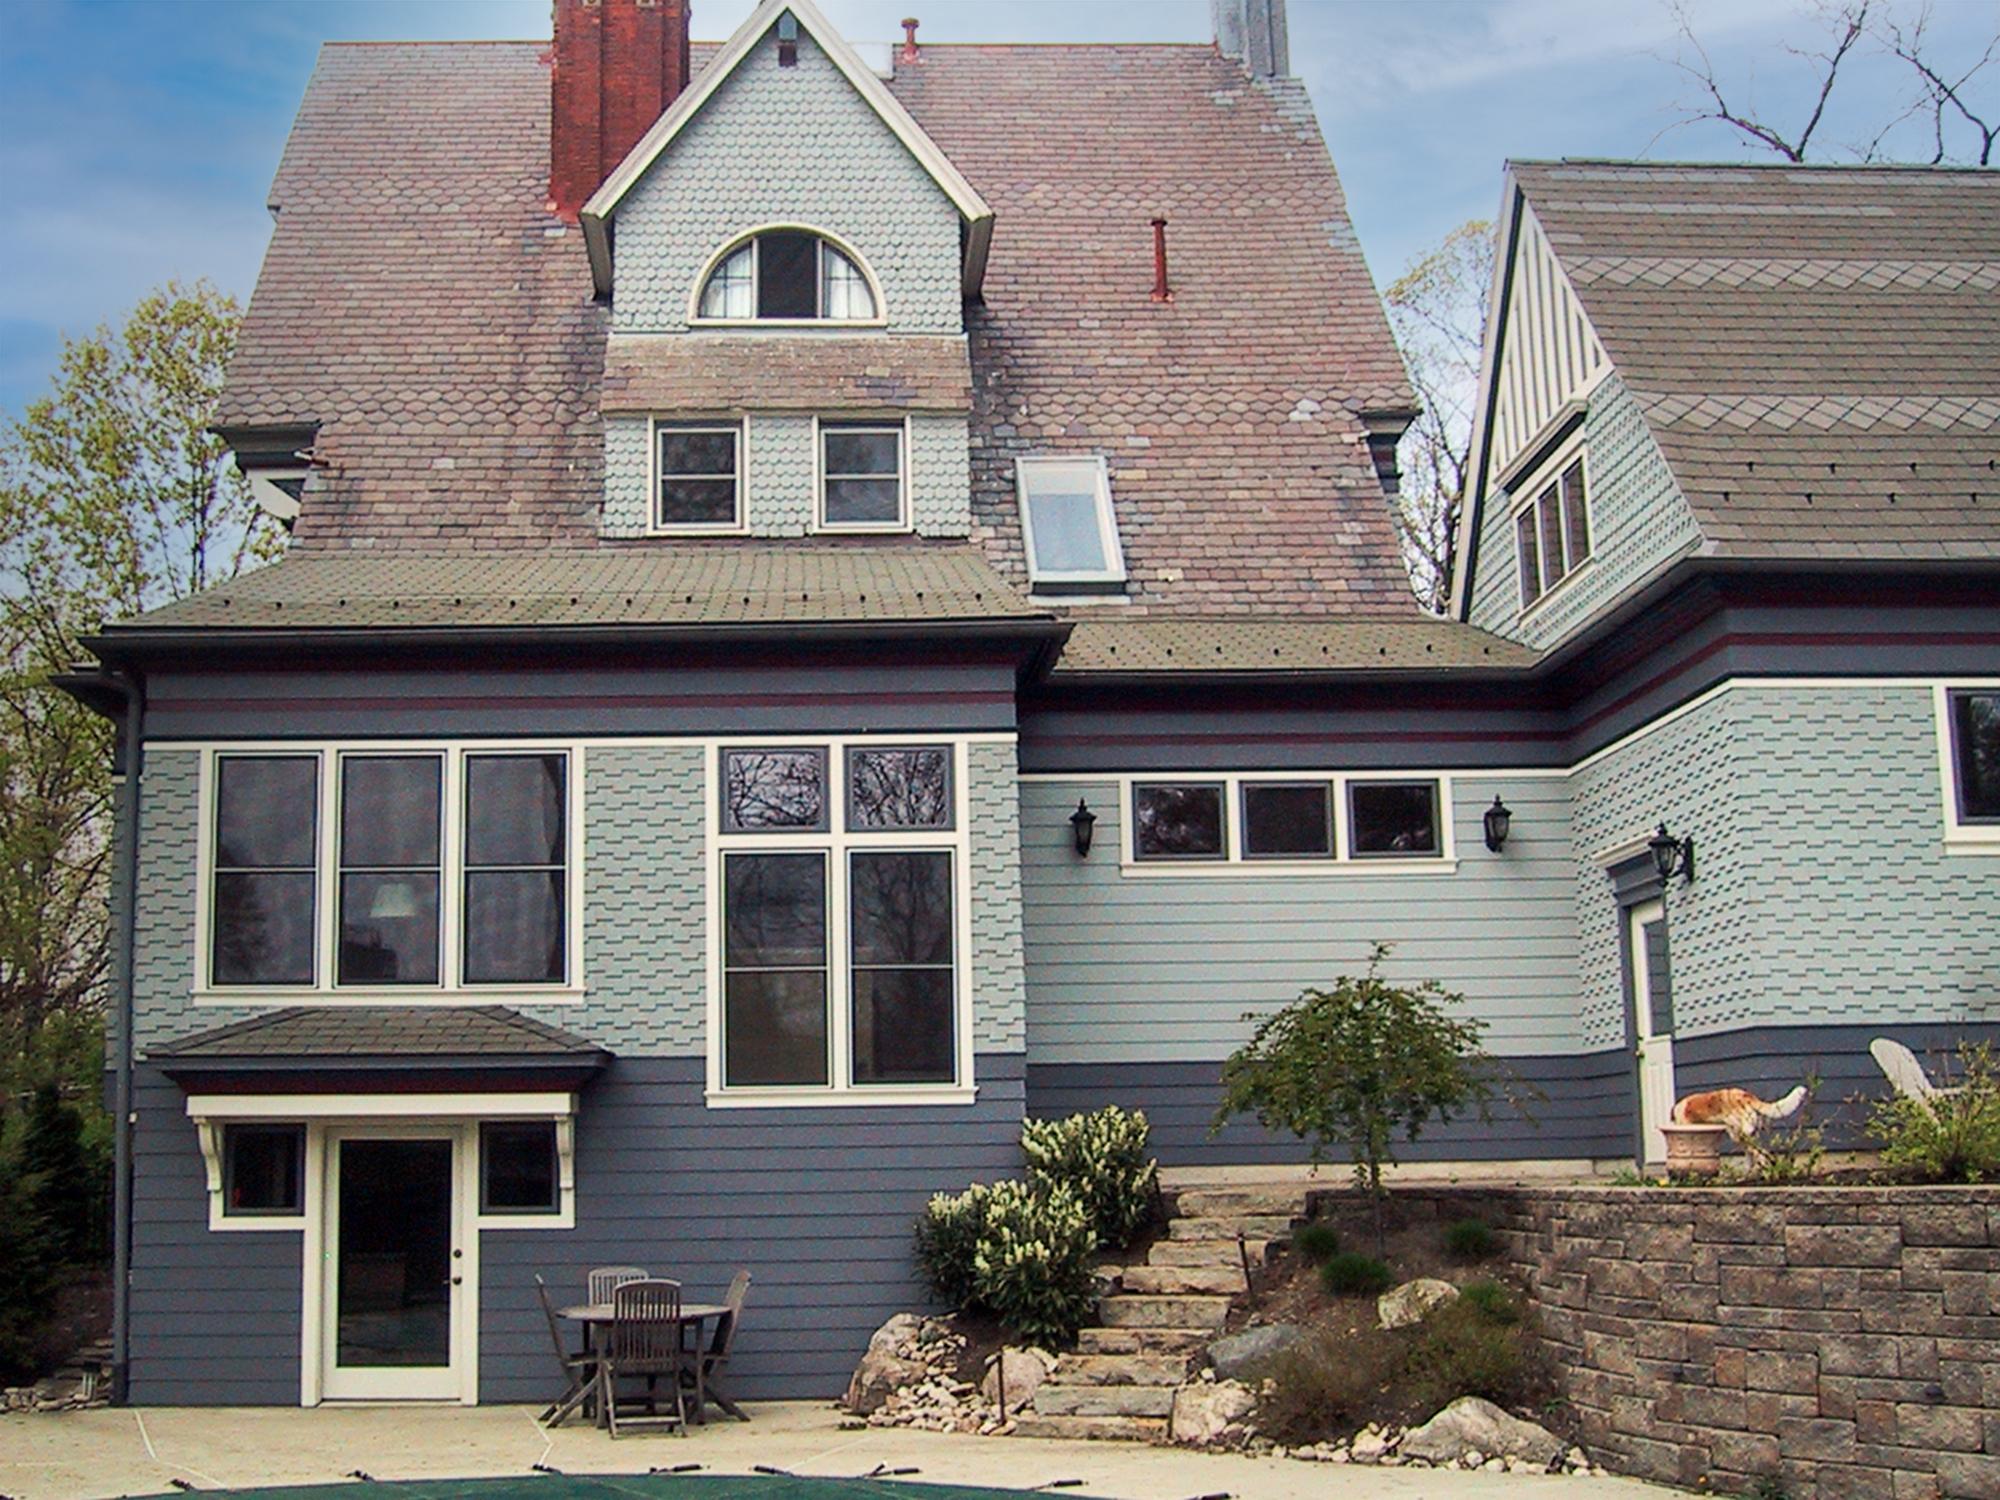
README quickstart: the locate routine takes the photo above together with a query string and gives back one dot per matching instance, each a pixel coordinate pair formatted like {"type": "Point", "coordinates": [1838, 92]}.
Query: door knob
{"type": "Point", "coordinates": [458, 1255]}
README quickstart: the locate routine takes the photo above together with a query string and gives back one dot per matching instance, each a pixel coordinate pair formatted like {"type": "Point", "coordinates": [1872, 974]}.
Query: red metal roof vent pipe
{"type": "Point", "coordinates": [1161, 291]}
{"type": "Point", "coordinates": [615, 66]}
{"type": "Point", "coordinates": [909, 39]}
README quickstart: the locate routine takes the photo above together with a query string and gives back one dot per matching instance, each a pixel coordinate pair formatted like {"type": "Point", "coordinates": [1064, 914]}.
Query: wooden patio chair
{"type": "Point", "coordinates": [1905, 1074]}
{"type": "Point", "coordinates": [579, 1366]}
{"type": "Point", "coordinates": [644, 1338]}
{"type": "Point", "coordinates": [707, 1361]}
{"type": "Point", "coordinates": [604, 1280]}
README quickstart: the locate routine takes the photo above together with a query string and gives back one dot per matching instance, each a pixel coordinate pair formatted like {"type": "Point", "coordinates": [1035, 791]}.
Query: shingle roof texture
{"type": "Point", "coordinates": [725, 373]}
{"type": "Point", "coordinates": [420, 305]}
{"type": "Point", "coordinates": [381, 1031]}
{"type": "Point", "coordinates": [1233, 644]}
{"type": "Point", "coordinates": [1816, 350]}
{"type": "Point", "coordinates": [687, 585]}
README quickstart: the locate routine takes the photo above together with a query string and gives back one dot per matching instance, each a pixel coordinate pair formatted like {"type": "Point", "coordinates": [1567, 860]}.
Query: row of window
{"type": "Point", "coordinates": [264, 1169]}
{"type": "Point", "coordinates": [1552, 533]}
{"type": "Point", "coordinates": [699, 486]}
{"type": "Point", "coordinates": [1306, 819]}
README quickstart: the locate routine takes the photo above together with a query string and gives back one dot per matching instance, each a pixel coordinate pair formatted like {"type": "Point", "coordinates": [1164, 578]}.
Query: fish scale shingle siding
{"type": "Point", "coordinates": [787, 146]}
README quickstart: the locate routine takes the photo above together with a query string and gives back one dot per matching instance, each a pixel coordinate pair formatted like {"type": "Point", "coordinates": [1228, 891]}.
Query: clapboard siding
{"type": "Point", "coordinates": [1125, 968]}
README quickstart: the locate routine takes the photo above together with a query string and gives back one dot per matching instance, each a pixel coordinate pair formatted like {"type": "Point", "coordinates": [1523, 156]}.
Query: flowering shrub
{"type": "Point", "coordinates": [1101, 1157]}
{"type": "Point", "coordinates": [1021, 1251]}
{"type": "Point", "coordinates": [1953, 1137]}
{"type": "Point", "coordinates": [947, 1239]}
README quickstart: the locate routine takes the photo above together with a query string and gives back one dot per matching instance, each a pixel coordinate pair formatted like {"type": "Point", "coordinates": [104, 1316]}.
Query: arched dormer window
{"type": "Point", "coordinates": [788, 275]}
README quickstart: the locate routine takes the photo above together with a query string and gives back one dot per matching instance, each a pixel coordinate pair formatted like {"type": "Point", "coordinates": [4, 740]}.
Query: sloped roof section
{"type": "Point", "coordinates": [727, 373]}
{"type": "Point", "coordinates": [1180, 644]}
{"type": "Point", "coordinates": [1816, 349]}
{"type": "Point", "coordinates": [486, 1031]}
{"type": "Point", "coordinates": [688, 586]}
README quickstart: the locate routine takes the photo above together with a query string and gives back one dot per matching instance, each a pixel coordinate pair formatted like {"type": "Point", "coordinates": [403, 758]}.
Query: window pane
{"type": "Point", "coordinates": [774, 1028]}
{"type": "Point", "coordinates": [518, 1167]}
{"type": "Point", "coordinates": [1575, 513]}
{"type": "Point", "coordinates": [1553, 567]}
{"type": "Point", "coordinates": [787, 275]}
{"type": "Point", "coordinates": [262, 1169]}
{"type": "Point", "coordinates": [684, 452]}
{"type": "Point", "coordinates": [851, 502]}
{"type": "Point", "coordinates": [900, 907]}
{"type": "Point", "coordinates": [389, 811]}
{"type": "Point", "coordinates": [697, 502]}
{"type": "Point", "coordinates": [1287, 820]}
{"type": "Point", "coordinates": [514, 810]}
{"type": "Point", "coordinates": [263, 928]}
{"type": "Point", "coordinates": [1177, 822]}
{"type": "Point", "coordinates": [903, 1026]}
{"type": "Point", "coordinates": [773, 789]}
{"type": "Point", "coordinates": [1392, 818]}
{"type": "Point", "coordinates": [388, 928]}
{"type": "Point", "coordinates": [775, 911]}
{"type": "Point", "coordinates": [727, 294]}
{"type": "Point", "coordinates": [1063, 519]}
{"type": "Point", "coordinates": [853, 452]}
{"type": "Point", "coordinates": [1528, 555]}
{"type": "Point", "coordinates": [514, 927]}
{"type": "Point", "coordinates": [266, 807]}
{"type": "Point", "coordinates": [844, 291]}
{"type": "Point", "coordinates": [899, 788]}
{"type": "Point", "coordinates": [1976, 731]}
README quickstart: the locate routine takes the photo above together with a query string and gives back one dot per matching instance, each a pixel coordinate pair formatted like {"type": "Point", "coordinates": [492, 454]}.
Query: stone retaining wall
{"type": "Point", "coordinates": [1842, 1341]}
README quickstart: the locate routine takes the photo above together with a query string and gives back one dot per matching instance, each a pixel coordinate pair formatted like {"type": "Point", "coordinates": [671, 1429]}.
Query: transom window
{"type": "Point", "coordinates": [790, 275]}
{"type": "Point", "coordinates": [389, 870]}
{"type": "Point", "coordinates": [1552, 534]}
{"type": "Point", "coordinates": [1322, 819]}
{"type": "Point", "coordinates": [1067, 524]}
{"type": "Point", "coordinates": [840, 882]}
{"type": "Point", "coordinates": [698, 473]}
{"type": "Point", "coordinates": [1971, 726]}
{"type": "Point", "coordinates": [861, 476]}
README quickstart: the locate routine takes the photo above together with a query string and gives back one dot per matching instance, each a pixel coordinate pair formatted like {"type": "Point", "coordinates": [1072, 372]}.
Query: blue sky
{"type": "Point", "coordinates": [138, 137]}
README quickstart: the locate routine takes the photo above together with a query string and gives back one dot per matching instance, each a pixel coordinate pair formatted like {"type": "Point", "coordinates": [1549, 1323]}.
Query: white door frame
{"type": "Point", "coordinates": [319, 1380]}
{"type": "Point", "coordinates": [1655, 1052]}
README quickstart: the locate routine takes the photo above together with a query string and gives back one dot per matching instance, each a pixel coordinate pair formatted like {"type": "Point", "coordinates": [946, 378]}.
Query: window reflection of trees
{"type": "Point", "coordinates": [899, 789]}
{"type": "Point", "coordinates": [1179, 820]}
{"type": "Point", "coordinates": [774, 789]}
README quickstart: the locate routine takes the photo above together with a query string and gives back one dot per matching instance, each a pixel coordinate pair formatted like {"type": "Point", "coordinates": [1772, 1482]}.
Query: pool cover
{"type": "Point", "coordinates": [629, 1487]}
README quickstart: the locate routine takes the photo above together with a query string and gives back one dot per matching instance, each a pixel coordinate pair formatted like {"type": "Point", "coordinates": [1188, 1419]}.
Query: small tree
{"type": "Point", "coordinates": [1357, 1066]}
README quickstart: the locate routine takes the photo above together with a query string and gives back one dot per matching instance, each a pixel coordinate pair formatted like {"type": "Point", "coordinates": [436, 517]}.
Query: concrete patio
{"type": "Point", "coordinates": [94, 1455]}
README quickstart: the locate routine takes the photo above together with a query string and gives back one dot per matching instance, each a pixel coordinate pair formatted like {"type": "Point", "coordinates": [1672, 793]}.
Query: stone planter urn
{"type": "Point", "coordinates": [1694, 1150]}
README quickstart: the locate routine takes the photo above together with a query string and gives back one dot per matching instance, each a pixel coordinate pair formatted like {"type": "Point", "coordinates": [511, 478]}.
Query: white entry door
{"type": "Point", "coordinates": [1653, 1021]}
{"type": "Point", "coordinates": [397, 1262]}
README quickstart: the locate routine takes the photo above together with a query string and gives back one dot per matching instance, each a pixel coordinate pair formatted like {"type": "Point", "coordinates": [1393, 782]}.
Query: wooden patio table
{"type": "Point", "coordinates": [596, 1316]}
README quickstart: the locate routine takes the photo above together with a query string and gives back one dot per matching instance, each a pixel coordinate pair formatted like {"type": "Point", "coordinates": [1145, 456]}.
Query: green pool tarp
{"type": "Point", "coordinates": [628, 1487]}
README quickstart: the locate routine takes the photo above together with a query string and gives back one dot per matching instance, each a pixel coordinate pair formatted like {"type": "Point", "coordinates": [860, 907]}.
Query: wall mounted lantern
{"type": "Point", "coordinates": [1081, 822]}
{"type": "Point", "coordinates": [1672, 856]}
{"type": "Point", "coordinates": [1499, 818]}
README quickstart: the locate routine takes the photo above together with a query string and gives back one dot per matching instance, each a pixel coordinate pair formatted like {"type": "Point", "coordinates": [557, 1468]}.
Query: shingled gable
{"type": "Point", "coordinates": [603, 204]}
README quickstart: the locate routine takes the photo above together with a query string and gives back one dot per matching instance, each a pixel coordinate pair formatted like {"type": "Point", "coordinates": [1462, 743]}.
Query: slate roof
{"type": "Point", "coordinates": [688, 585]}
{"type": "Point", "coordinates": [485, 1031]}
{"type": "Point", "coordinates": [1182, 644]}
{"type": "Point", "coordinates": [1816, 349]}
{"type": "Point", "coordinates": [420, 305]}
{"type": "Point", "coordinates": [729, 373]}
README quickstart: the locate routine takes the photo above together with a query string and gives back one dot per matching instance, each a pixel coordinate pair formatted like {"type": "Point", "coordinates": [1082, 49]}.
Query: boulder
{"type": "Point", "coordinates": [1473, 1425]}
{"type": "Point", "coordinates": [1211, 1413]}
{"type": "Point", "coordinates": [1239, 1353]}
{"type": "Point", "coordinates": [1413, 1301]}
{"type": "Point", "coordinates": [889, 1365]}
{"type": "Point", "coordinates": [1024, 1371]}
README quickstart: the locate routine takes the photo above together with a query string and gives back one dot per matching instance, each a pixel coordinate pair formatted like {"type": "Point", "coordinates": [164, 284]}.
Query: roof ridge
{"type": "Point", "coordinates": [1752, 166]}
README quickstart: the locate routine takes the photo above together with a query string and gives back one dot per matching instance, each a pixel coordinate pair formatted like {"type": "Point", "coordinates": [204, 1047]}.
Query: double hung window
{"type": "Point", "coordinates": [1332, 819]}
{"type": "Point", "coordinates": [861, 476]}
{"type": "Point", "coordinates": [1552, 534]}
{"type": "Point", "coordinates": [389, 870]}
{"type": "Point", "coordinates": [698, 476]}
{"type": "Point", "coordinates": [839, 962]}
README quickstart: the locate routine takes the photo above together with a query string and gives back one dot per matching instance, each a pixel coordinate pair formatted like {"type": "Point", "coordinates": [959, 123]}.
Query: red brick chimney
{"type": "Point", "coordinates": [617, 65]}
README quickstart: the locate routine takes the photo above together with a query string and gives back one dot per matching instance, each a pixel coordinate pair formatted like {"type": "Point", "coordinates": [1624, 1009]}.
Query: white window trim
{"type": "Point", "coordinates": [1107, 523]}
{"type": "Point", "coordinates": [450, 989]}
{"type": "Point", "coordinates": [1960, 837]}
{"type": "Point", "coordinates": [836, 842]}
{"type": "Point", "coordinates": [900, 425]}
{"type": "Point", "coordinates": [826, 237]}
{"type": "Point", "coordinates": [739, 425]}
{"type": "Point", "coordinates": [1532, 484]}
{"type": "Point", "coordinates": [1235, 864]}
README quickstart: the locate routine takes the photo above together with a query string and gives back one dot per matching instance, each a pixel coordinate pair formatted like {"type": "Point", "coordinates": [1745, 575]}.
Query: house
{"type": "Point", "coordinates": [836, 601]}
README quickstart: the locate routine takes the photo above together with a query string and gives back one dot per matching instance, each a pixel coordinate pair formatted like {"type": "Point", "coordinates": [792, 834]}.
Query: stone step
{"type": "Point", "coordinates": [1226, 1280]}
{"type": "Point", "coordinates": [1237, 1203]}
{"type": "Point", "coordinates": [1206, 1253]}
{"type": "Point", "coordinates": [1053, 1400]}
{"type": "Point", "coordinates": [1092, 1341]}
{"type": "Point", "coordinates": [1120, 1429]}
{"type": "Point", "coordinates": [1250, 1226]}
{"type": "Point", "coordinates": [1121, 1369]}
{"type": "Point", "coordinates": [1128, 1311]}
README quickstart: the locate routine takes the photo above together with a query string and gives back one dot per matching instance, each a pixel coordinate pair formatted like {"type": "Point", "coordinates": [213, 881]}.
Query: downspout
{"type": "Point", "coordinates": [125, 890]}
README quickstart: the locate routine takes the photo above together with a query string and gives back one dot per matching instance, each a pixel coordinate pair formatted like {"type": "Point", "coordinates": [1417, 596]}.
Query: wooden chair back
{"type": "Point", "coordinates": [646, 1326]}
{"type": "Point", "coordinates": [549, 1313]}
{"type": "Point", "coordinates": [725, 1326]}
{"type": "Point", "coordinates": [1906, 1075]}
{"type": "Point", "coordinates": [604, 1280]}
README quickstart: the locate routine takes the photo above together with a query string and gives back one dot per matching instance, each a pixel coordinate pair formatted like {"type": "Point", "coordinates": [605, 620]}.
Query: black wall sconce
{"type": "Point", "coordinates": [1081, 823]}
{"type": "Point", "coordinates": [1499, 818]}
{"type": "Point", "coordinates": [1672, 856]}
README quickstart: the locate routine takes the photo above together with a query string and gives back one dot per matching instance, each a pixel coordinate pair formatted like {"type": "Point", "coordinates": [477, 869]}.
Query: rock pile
{"type": "Point", "coordinates": [1471, 1433]}
{"type": "Point", "coordinates": [910, 1377]}
{"type": "Point", "coordinates": [84, 1381]}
